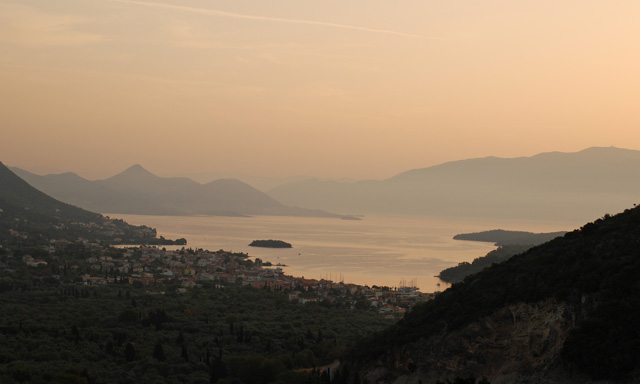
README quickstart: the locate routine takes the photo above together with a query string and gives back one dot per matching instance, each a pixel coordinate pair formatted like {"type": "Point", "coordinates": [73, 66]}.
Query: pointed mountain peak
{"type": "Point", "coordinates": [136, 168]}
{"type": "Point", "coordinates": [135, 172]}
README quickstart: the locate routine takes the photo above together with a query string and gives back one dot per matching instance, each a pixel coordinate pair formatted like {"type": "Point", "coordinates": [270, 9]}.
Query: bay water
{"type": "Point", "coordinates": [377, 250]}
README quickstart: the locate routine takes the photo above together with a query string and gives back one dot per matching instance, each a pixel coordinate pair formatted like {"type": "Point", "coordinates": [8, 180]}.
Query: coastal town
{"type": "Point", "coordinates": [180, 269]}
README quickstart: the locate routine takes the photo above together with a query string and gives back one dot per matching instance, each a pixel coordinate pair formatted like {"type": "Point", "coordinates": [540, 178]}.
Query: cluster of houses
{"type": "Point", "coordinates": [151, 265]}
{"type": "Point", "coordinates": [31, 262]}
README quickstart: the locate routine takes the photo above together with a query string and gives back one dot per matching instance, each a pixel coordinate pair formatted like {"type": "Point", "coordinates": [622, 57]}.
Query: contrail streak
{"type": "Point", "coordinates": [233, 15]}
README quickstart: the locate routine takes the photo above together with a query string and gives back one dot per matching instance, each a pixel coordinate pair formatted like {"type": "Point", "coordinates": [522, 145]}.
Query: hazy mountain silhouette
{"type": "Point", "coordinates": [19, 199]}
{"type": "Point", "coordinates": [29, 217]}
{"type": "Point", "coordinates": [138, 179]}
{"type": "Point", "coordinates": [138, 191]}
{"type": "Point", "coordinates": [551, 185]}
{"type": "Point", "coordinates": [89, 195]}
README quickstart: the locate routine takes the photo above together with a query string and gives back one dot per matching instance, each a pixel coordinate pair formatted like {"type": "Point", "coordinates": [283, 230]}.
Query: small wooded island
{"type": "Point", "coordinates": [270, 244]}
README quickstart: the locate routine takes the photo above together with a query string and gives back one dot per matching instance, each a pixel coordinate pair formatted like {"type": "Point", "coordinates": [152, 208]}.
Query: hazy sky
{"type": "Point", "coordinates": [327, 88]}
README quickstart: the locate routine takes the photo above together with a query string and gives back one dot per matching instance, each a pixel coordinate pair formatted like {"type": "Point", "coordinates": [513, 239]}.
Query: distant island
{"type": "Point", "coordinates": [270, 244]}
{"type": "Point", "coordinates": [501, 237]}
{"type": "Point", "coordinates": [163, 241]}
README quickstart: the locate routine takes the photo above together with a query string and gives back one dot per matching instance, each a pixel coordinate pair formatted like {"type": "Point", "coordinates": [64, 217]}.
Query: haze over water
{"type": "Point", "coordinates": [378, 250]}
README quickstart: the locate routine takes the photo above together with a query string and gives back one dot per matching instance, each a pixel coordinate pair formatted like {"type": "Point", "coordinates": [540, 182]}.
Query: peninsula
{"type": "Point", "coordinates": [501, 237]}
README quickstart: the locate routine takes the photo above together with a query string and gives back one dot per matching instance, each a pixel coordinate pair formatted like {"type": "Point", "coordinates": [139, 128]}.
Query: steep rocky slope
{"type": "Point", "coordinates": [519, 343]}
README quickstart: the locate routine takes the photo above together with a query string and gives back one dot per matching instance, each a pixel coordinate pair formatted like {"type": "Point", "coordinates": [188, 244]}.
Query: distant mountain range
{"type": "Point", "coordinates": [138, 191]}
{"type": "Point", "coordinates": [549, 186]}
{"type": "Point", "coordinates": [555, 185]}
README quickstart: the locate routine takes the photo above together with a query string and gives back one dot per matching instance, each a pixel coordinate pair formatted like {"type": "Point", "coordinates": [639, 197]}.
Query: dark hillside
{"type": "Point", "coordinates": [509, 243]}
{"type": "Point", "coordinates": [24, 209]}
{"type": "Point", "coordinates": [459, 272]}
{"type": "Point", "coordinates": [592, 272]}
{"type": "Point", "coordinates": [29, 217]}
{"type": "Point", "coordinates": [16, 193]}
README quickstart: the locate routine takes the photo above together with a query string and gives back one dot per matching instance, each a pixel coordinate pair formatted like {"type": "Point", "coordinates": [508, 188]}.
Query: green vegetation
{"type": "Point", "coordinates": [510, 243]}
{"type": "Point", "coordinates": [600, 261]}
{"type": "Point", "coordinates": [53, 331]}
{"type": "Point", "coordinates": [270, 244]}
{"type": "Point", "coordinates": [464, 269]}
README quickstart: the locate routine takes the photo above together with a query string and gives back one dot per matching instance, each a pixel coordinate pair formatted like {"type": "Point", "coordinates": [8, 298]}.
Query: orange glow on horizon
{"type": "Point", "coordinates": [301, 88]}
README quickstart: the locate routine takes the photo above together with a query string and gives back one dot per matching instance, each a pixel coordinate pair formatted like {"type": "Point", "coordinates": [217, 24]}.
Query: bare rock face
{"type": "Point", "coordinates": [519, 343]}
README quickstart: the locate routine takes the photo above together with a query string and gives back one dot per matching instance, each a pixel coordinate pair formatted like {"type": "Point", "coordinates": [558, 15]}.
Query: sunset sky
{"type": "Point", "coordinates": [360, 89]}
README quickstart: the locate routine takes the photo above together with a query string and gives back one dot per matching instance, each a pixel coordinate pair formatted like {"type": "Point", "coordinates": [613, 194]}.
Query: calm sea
{"type": "Point", "coordinates": [377, 250]}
